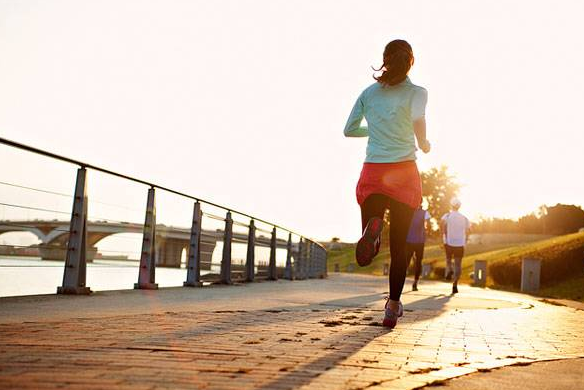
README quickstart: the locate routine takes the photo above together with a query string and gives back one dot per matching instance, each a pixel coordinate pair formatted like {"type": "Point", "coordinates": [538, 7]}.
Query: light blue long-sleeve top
{"type": "Point", "coordinates": [390, 112]}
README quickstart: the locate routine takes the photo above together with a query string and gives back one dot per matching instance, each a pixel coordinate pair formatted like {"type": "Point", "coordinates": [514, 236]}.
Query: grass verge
{"type": "Point", "coordinates": [570, 288]}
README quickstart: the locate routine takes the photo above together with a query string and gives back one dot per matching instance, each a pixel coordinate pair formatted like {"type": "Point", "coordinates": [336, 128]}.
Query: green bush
{"type": "Point", "coordinates": [559, 261]}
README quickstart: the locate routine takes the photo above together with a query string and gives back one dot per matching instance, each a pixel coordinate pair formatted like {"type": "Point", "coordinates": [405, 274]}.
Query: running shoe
{"type": "Point", "coordinates": [454, 289]}
{"type": "Point", "coordinates": [415, 287]}
{"type": "Point", "coordinates": [400, 308]}
{"type": "Point", "coordinates": [390, 318]}
{"type": "Point", "coordinates": [368, 245]}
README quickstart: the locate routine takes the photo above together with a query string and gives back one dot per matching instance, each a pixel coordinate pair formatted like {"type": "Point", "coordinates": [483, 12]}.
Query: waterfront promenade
{"type": "Point", "coordinates": [311, 334]}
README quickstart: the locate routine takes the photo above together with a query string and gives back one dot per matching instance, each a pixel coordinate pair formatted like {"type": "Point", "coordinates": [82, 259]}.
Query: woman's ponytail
{"type": "Point", "coordinates": [398, 58]}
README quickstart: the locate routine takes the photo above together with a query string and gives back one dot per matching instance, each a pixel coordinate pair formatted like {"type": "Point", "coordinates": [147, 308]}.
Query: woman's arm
{"type": "Point", "coordinates": [419, 101]}
{"type": "Point", "coordinates": [420, 132]}
{"type": "Point", "coordinates": [353, 127]}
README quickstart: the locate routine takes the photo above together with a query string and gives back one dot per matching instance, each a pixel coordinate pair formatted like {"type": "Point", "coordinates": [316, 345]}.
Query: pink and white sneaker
{"type": "Point", "coordinates": [368, 245]}
{"type": "Point", "coordinates": [390, 318]}
{"type": "Point", "coordinates": [400, 308]}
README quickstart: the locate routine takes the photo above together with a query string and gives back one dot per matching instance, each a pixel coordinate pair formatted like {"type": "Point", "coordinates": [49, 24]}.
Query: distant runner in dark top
{"type": "Point", "coordinates": [415, 242]}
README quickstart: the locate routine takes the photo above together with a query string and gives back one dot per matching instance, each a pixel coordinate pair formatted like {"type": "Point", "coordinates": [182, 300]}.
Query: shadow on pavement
{"type": "Point", "coordinates": [317, 312]}
{"type": "Point", "coordinates": [434, 304]}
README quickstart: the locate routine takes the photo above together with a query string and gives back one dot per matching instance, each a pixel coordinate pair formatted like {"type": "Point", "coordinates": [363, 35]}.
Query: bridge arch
{"type": "Point", "coordinates": [171, 242]}
{"type": "Point", "coordinates": [125, 243]}
{"type": "Point", "coordinates": [4, 229]}
{"type": "Point", "coordinates": [19, 238]}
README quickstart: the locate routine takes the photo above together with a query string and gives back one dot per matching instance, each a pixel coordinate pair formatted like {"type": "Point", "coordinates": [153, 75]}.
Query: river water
{"type": "Point", "coordinates": [31, 276]}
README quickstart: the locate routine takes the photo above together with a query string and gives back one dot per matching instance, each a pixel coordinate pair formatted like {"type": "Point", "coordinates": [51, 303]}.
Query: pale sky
{"type": "Point", "coordinates": [244, 102]}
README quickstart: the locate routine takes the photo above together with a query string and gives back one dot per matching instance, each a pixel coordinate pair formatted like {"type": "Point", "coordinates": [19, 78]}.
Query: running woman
{"type": "Point", "coordinates": [455, 227]}
{"type": "Point", "coordinates": [415, 242]}
{"type": "Point", "coordinates": [394, 109]}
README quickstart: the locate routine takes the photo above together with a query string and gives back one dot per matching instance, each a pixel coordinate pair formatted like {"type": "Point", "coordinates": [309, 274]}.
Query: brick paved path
{"type": "Point", "coordinates": [283, 335]}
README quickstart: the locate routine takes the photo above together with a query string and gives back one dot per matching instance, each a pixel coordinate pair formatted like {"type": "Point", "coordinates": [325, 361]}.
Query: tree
{"type": "Point", "coordinates": [438, 188]}
{"type": "Point", "coordinates": [496, 225]}
{"type": "Point", "coordinates": [563, 219]}
{"type": "Point", "coordinates": [558, 219]}
{"type": "Point", "coordinates": [530, 224]}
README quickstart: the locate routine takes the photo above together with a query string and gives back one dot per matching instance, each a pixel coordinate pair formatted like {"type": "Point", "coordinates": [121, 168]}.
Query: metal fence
{"type": "Point", "coordinates": [305, 258]}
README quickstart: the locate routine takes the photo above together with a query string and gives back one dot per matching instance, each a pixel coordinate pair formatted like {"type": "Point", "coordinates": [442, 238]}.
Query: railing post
{"type": "Point", "coordinates": [74, 274]}
{"type": "Point", "coordinates": [305, 259]}
{"type": "Point", "coordinates": [194, 257]}
{"type": "Point", "coordinates": [250, 259]}
{"type": "Point", "coordinates": [226, 259]}
{"type": "Point", "coordinates": [294, 270]}
{"type": "Point", "coordinates": [312, 261]}
{"type": "Point", "coordinates": [325, 263]}
{"type": "Point", "coordinates": [288, 269]}
{"type": "Point", "coordinates": [146, 275]}
{"type": "Point", "coordinates": [296, 265]}
{"type": "Point", "coordinates": [316, 260]}
{"type": "Point", "coordinates": [308, 260]}
{"type": "Point", "coordinates": [272, 271]}
{"type": "Point", "coordinates": [319, 262]}
{"type": "Point", "coordinates": [299, 267]}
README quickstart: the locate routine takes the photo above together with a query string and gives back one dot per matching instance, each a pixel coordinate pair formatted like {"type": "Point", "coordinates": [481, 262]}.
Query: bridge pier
{"type": "Point", "coordinates": [207, 248]}
{"type": "Point", "coordinates": [169, 251]}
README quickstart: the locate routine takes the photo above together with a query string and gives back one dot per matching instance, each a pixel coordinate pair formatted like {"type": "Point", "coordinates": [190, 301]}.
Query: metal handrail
{"type": "Point", "coordinates": [82, 164]}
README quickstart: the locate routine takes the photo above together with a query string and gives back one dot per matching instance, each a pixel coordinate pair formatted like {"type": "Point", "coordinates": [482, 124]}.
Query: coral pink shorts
{"type": "Point", "coordinates": [400, 181]}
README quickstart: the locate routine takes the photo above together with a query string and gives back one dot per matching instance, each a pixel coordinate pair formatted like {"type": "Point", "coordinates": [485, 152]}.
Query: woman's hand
{"type": "Point", "coordinates": [425, 146]}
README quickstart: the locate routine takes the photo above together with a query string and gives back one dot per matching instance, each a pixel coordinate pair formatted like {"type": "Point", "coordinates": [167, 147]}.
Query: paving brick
{"type": "Point", "coordinates": [298, 345]}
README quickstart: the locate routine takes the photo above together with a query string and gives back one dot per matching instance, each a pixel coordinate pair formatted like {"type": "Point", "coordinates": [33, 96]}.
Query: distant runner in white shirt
{"type": "Point", "coordinates": [455, 228]}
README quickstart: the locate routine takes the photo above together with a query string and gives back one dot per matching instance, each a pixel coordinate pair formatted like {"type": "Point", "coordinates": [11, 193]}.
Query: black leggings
{"type": "Point", "coordinates": [400, 217]}
{"type": "Point", "coordinates": [418, 250]}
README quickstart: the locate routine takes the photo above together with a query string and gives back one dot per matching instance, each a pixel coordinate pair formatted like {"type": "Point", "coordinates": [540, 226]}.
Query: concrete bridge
{"type": "Point", "coordinates": [170, 241]}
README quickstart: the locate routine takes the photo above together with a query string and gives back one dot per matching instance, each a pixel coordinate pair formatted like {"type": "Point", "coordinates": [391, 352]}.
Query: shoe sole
{"type": "Point", "coordinates": [365, 251]}
{"type": "Point", "coordinates": [389, 323]}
